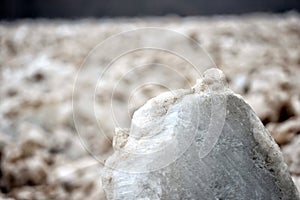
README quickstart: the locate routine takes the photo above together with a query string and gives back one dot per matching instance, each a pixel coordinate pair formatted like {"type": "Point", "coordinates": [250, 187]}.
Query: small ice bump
{"type": "Point", "coordinates": [120, 138]}
{"type": "Point", "coordinates": [213, 81]}
{"type": "Point", "coordinates": [214, 75]}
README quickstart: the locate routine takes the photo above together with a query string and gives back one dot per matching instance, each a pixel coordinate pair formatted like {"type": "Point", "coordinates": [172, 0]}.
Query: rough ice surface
{"type": "Point", "coordinates": [203, 143]}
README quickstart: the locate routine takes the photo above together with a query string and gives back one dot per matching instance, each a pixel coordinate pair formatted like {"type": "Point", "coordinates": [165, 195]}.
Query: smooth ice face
{"type": "Point", "coordinates": [204, 143]}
